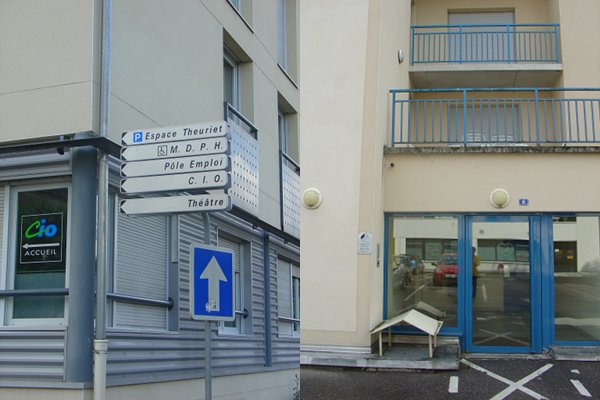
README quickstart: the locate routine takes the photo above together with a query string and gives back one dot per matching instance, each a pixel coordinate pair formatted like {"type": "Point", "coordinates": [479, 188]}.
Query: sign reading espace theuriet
{"type": "Point", "coordinates": [179, 159]}
{"type": "Point", "coordinates": [177, 133]}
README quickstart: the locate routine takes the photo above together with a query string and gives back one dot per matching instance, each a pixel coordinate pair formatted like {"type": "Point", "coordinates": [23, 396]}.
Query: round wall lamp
{"type": "Point", "coordinates": [312, 198]}
{"type": "Point", "coordinates": [400, 56]}
{"type": "Point", "coordinates": [499, 198]}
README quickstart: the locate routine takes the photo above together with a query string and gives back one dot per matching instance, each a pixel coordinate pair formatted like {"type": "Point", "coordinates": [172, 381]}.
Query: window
{"type": "Point", "coordinates": [488, 43]}
{"type": "Point", "coordinates": [244, 10]}
{"type": "Point", "coordinates": [287, 127]}
{"type": "Point", "coordinates": [577, 278]}
{"type": "Point", "coordinates": [40, 229]}
{"type": "Point", "coordinates": [241, 266]}
{"type": "Point", "coordinates": [288, 298]}
{"type": "Point", "coordinates": [281, 33]}
{"type": "Point", "coordinates": [141, 270]}
{"type": "Point", "coordinates": [487, 121]}
{"type": "Point", "coordinates": [231, 79]}
{"type": "Point", "coordinates": [422, 265]}
{"type": "Point", "coordinates": [286, 36]}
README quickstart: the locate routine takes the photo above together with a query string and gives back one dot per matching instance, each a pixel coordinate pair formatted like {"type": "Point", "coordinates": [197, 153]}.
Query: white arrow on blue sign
{"type": "Point", "coordinates": [212, 283]}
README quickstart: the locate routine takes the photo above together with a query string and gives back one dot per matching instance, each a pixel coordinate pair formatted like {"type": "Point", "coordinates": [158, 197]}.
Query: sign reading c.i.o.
{"type": "Point", "coordinates": [41, 238]}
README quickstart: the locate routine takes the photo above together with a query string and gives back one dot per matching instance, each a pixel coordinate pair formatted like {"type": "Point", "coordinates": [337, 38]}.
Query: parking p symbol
{"type": "Point", "coordinates": [137, 137]}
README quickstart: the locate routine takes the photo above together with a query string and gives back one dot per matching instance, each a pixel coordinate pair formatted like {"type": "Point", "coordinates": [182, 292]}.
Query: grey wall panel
{"type": "Point", "coordinates": [31, 355]}
{"type": "Point", "coordinates": [286, 349]}
{"type": "Point", "coordinates": [148, 357]}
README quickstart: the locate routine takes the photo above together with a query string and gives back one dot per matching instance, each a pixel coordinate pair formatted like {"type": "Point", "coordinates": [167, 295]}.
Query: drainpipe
{"type": "Point", "coordinates": [100, 341]}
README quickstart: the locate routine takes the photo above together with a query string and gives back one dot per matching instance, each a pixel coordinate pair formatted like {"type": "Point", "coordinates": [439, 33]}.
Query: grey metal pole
{"type": "Point", "coordinates": [100, 342]}
{"type": "Point", "coordinates": [207, 360]}
{"type": "Point", "coordinates": [207, 328]}
{"type": "Point", "coordinates": [78, 356]}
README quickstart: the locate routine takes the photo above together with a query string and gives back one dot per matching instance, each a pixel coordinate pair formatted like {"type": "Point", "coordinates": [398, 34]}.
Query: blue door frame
{"type": "Point", "coordinates": [541, 246]}
{"type": "Point", "coordinates": [536, 263]}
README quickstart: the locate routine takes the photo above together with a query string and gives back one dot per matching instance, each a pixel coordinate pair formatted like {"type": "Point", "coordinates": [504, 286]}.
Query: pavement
{"type": "Point", "coordinates": [475, 378]}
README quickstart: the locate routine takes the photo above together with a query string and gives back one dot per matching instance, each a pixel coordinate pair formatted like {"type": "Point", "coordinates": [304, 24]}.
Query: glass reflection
{"type": "Point", "coordinates": [577, 278]}
{"type": "Point", "coordinates": [423, 266]}
{"type": "Point", "coordinates": [501, 284]}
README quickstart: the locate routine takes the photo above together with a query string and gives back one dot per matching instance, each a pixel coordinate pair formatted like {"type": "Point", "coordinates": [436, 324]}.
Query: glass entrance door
{"type": "Point", "coordinates": [501, 285]}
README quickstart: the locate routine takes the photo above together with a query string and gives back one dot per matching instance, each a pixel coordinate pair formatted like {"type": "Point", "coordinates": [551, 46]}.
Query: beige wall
{"type": "Point", "coordinates": [48, 62]}
{"type": "Point", "coordinates": [167, 67]}
{"type": "Point", "coordinates": [579, 30]}
{"type": "Point", "coordinates": [463, 183]}
{"type": "Point", "coordinates": [332, 67]}
{"type": "Point", "coordinates": [346, 72]}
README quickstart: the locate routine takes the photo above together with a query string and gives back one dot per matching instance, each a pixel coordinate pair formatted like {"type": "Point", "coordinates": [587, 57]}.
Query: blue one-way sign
{"type": "Point", "coordinates": [212, 283]}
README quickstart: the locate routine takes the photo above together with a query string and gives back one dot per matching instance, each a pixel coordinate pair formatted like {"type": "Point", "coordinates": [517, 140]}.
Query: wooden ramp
{"type": "Point", "coordinates": [415, 318]}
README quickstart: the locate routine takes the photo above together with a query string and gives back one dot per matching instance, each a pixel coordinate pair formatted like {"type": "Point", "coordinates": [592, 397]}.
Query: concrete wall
{"type": "Point", "coordinates": [167, 67]}
{"type": "Point", "coordinates": [463, 183]}
{"type": "Point", "coordinates": [48, 67]}
{"type": "Point", "coordinates": [346, 71]}
{"type": "Point", "coordinates": [580, 55]}
{"type": "Point", "coordinates": [281, 385]}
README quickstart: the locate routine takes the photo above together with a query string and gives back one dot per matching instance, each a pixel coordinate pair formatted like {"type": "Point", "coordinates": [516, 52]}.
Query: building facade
{"type": "Point", "coordinates": [185, 62]}
{"type": "Point", "coordinates": [455, 147]}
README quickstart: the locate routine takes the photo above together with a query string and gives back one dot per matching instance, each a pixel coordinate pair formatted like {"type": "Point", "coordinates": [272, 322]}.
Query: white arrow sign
{"type": "Point", "coordinates": [32, 246]}
{"type": "Point", "coordinates": [175, 165]}
{"type": "Point", "coordinates": [165, 183]}
{"type": "Point", "coordinates": [186, 203]}
{"type": "Point", "coordinates": [177, 149]}
{"type": "Point", "coordinates": [175, 133]}
{"type": "Point", "coordinates": [214, 274]}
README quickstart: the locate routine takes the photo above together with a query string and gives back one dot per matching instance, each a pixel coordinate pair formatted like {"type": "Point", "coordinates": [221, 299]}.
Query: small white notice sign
{"type": "Point", "coordinates": [365, 243]}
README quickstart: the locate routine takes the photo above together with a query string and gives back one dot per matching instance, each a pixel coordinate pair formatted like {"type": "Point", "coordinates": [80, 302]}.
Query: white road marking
{"type": "Point", "coordinates": [453, 386]}
{"type": "Point", "coordinates": [512, 385]}
{"type": "Point", "coordinates": [575, 371]}
{"type": "Point", "coordinates": [414, 292]}
{"type": "Point", "coordinates": [484, 292]}
{"type": "Point", "coordinates": [518, 385]}
{"type": "Point", "coordinates": [580, 388]}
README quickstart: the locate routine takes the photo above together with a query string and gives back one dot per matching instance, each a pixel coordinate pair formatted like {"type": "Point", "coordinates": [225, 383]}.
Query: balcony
{"type": "Point", "coordinates": [495, 117]}
{"type": "Point", "coordinates": [244, 189]}
{"type": "Point", "coordinates": [494, 55]}
{"type": "Point", "coordinates": [289, 194]}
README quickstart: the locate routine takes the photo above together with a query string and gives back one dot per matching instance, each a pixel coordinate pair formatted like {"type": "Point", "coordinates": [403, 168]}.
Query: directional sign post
{"type": "Point", "coordinates": [212, 294]}
{"type": "Point", "coordinates": [173, 204]}
{"type": "Point", "coordinates": [212, 283]}
{"type": "Point", "coordinates": [181, 160]}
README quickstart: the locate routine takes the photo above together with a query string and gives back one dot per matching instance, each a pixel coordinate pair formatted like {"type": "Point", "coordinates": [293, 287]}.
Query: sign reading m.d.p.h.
{"type": "Point", "coordinates": [212, 283]}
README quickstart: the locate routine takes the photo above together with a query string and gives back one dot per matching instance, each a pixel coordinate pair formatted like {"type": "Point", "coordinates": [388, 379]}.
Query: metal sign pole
{"type": "Point", "coordinates": [207, 328]}
{"type": "Point", "coordinates": [207, 361]}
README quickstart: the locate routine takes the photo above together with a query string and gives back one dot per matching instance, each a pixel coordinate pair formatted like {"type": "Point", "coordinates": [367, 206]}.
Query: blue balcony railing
{"type": "Point", "coordinates": [498, 116]}
{"type": "Point", "coordinates": [495, 43]}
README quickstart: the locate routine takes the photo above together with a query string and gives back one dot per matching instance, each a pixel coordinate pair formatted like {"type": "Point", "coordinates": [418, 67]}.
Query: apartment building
{"type": "Point", "coordinates": [453, 147]}
{"type": "Point", "coordinates": [166, 64]}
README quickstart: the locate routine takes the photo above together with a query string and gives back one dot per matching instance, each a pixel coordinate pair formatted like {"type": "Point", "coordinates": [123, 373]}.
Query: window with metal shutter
{"type": "Point", "coordinates": [2, 271]}
{"type": "Point", "coordinates": [481, 18]}
{"type": "Point", "coordinates": [284, 296]}
{"type": "Point", "coordinates": [236, 247]}
{"type": "Point", "coordinates": [141, 269]}
{"type": "Point", "coordinates": [481, 43]}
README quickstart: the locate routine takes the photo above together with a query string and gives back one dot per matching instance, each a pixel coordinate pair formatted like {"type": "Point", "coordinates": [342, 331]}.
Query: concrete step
{"type": "Point", "coordinates": [409, 356]}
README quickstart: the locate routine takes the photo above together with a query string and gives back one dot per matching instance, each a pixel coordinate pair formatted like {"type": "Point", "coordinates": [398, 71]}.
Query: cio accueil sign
{"type": "Point", "coordinates": [41, 238]}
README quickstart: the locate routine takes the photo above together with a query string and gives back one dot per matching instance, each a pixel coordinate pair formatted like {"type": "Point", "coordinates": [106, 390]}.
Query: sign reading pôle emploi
{"type": "Point", "coordinates": [41, 238]}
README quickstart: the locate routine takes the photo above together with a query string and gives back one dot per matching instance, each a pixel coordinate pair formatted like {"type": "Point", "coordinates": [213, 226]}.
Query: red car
{"type": "Point", "coordinates": [446, 270]}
